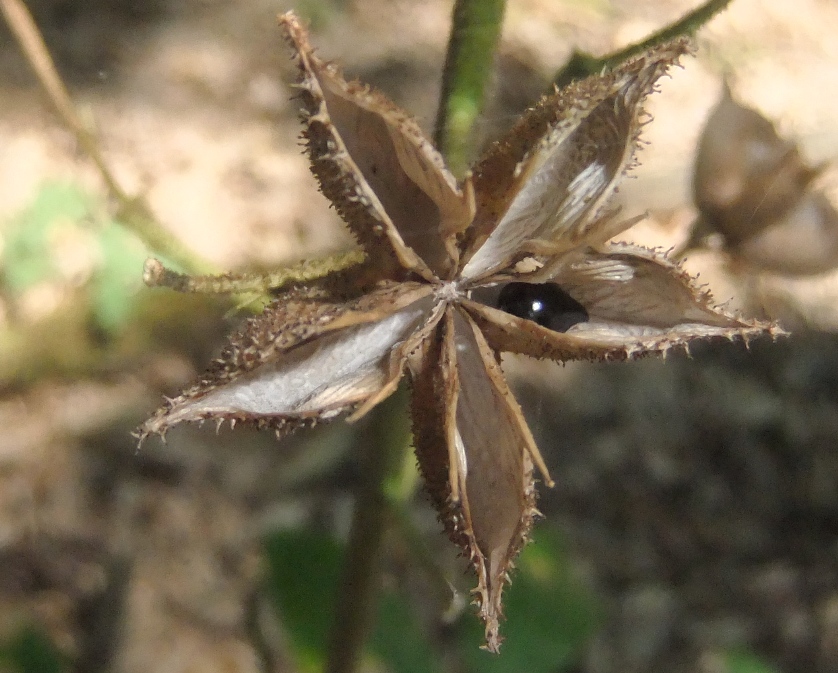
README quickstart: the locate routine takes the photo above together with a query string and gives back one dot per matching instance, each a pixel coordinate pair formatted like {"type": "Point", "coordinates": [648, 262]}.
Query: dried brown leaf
{"type": "Point", "coordinates": [746, 175]}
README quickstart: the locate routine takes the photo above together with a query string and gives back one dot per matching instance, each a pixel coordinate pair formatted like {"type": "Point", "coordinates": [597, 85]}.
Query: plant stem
{"type": "Point", "coordinates": [581, 64]}
{"type": "Point", "coordinates": [474, 35]}
{"type": "Point", "coordinates": [475, 31]}
{"type": "Point", "coordinates": [132, 211]}
{"type": "Point", "coordinates": [155, 274]}
{"type": "Point", "coordinates": [385, 440]}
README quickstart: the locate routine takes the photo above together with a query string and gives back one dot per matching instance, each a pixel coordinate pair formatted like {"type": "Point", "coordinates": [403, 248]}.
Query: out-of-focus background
{"type": "Point", "coordinates": [694, 523]}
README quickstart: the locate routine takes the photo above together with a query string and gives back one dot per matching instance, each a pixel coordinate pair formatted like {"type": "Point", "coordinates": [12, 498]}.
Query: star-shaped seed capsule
{"type": "Point", "coordinates": [515, 258]}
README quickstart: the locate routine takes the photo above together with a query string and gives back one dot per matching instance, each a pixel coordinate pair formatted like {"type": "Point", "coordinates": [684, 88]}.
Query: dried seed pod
{"type": "Point", "coordinates": [534, 212]}
{"type": "Point", "coordinates": [753, 187]}
{"type": "Point", "coordinates": [803, 242]}
{"type": "Point", "coordinates": [746, 176]}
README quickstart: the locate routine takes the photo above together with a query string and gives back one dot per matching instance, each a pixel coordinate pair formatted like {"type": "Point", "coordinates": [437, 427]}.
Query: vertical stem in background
{"type": "Point", "coordinates": [471, 47]}
{"type": "Point", "coordinates": [475, 31]}
{"type": "Point", "coordinates": [384, 442]}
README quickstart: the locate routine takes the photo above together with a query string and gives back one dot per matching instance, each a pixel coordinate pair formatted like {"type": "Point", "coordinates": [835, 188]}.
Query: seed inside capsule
{"type": "Point", "coordinates": [543, 303]}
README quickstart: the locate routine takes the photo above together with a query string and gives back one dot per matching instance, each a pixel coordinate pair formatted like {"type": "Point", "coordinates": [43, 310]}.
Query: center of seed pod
{"type": "Point", "coordinates": [449, 291]}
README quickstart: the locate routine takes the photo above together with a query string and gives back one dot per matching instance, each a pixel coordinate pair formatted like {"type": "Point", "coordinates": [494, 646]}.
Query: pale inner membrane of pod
{"type": "Point", "coordinates": [327, 373]}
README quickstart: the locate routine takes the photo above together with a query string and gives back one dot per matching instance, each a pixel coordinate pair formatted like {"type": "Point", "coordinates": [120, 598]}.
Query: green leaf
{"type": "Point", "coordinates": [398, 639]}
{"type": "Point", "coordinates": [27, 255]}
{"type": "Point", "coordinates": [118, 278]}
{"type": "Point", "coordinates": [318, 13]}
{"type": "Point", "coordinates": [31, 652]}
{"type": "Point", "coordinates": [746, 662]}
{"type": "Point", "coordinates": [549, 615]}
{"type": "Point", "coordinates": [304, 571]}
{"type": "Point", "coordinates": [304, 575]}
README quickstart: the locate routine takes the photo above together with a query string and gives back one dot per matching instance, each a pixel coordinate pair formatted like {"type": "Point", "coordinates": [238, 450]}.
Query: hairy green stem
{"type": "Point", "coordinates": [157, 275]}
{"type": "Point", "coordinates": [581, 64]}
{"type": "Point", "coordinates": [475, 32]}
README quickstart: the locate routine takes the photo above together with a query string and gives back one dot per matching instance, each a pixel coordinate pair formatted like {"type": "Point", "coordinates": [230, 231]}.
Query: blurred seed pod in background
{"type": "Point", "coordinates": [753, 192]}
{"type": "Point", "coordinates": [801, 243]}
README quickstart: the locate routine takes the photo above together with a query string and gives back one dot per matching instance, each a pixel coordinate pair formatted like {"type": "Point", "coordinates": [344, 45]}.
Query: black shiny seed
{"type": "Point", "coordinates": [544, 303]}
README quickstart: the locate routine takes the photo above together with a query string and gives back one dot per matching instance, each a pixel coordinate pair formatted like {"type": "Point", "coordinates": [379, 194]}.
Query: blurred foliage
{"type": "Point", "coordinates": [72, 293]}
{"type": "Point", "coordinates": [745, 662]}
{"type": "Point", "coordinates": [30, 652]}
{"type": "Point", "coordinates": [117, 279]}
{"type": "Point", "coordinates": [27, 257]}
{"type": "Point", "coordinates": [550, 616]}
{"type": "Point", "coordinates": [397, 638]}
{"type": "Point", "coordinates": [64, 236]}
{"type": "Point", "coordinates": [303, 575]}
{"type": "Point", "coordinates": [304, 570]}
{"type": "Point", "coordinates": [320, 13]}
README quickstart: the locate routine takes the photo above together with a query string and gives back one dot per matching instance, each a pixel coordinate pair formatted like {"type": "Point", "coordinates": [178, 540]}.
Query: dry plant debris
{"type": "Point", "coordinates": [457, 273]}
